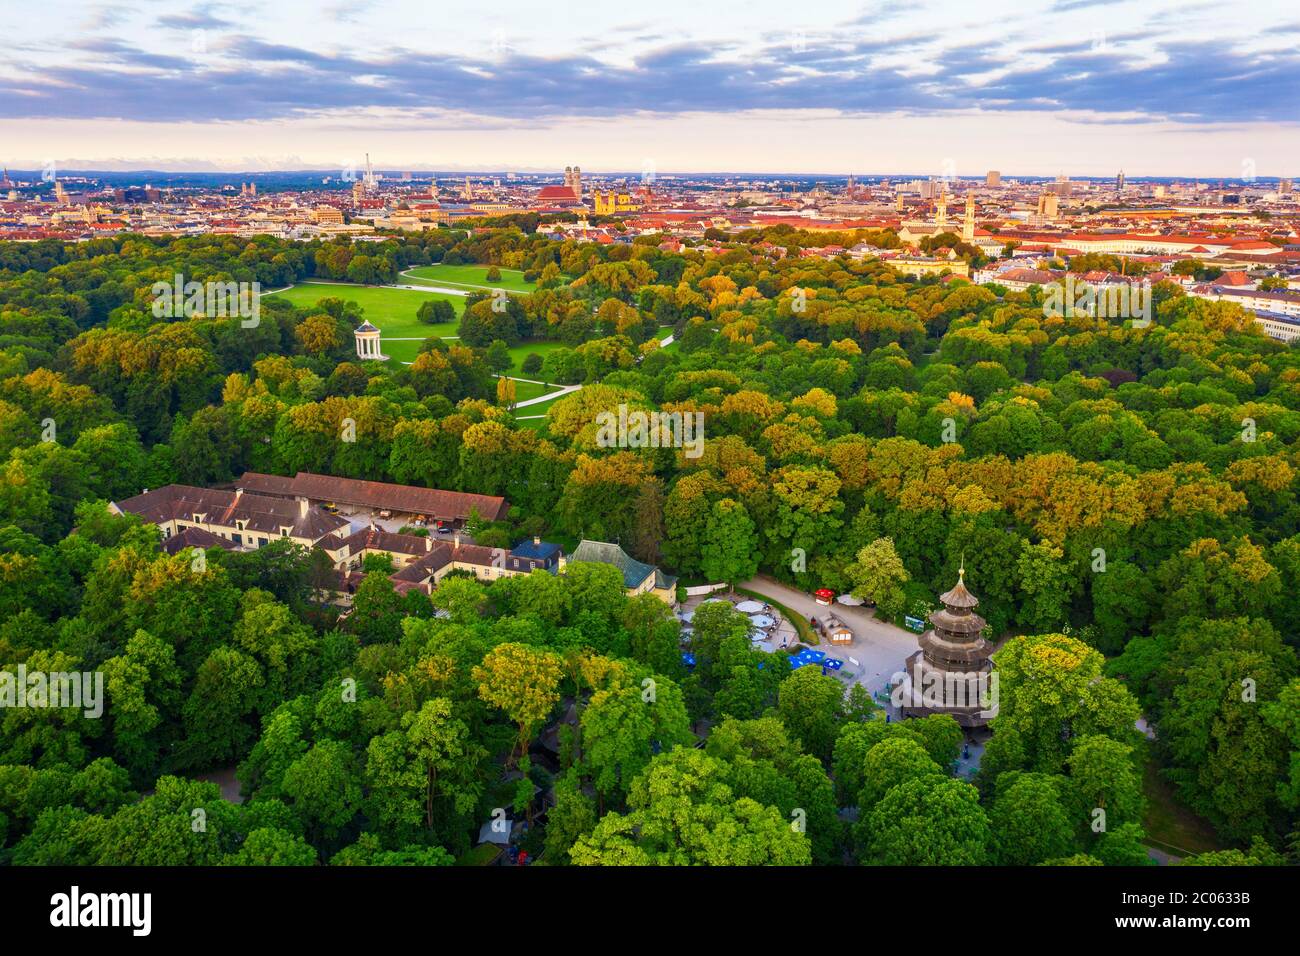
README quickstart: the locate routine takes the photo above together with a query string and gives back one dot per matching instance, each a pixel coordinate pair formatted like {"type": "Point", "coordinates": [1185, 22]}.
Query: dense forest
{"type": "Point", "coordinates": [1123, 501]}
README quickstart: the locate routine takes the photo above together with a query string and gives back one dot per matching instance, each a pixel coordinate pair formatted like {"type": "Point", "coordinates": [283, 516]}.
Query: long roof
{"type": "Point", "coordinates": [378, 495]}
{"type": "Point", "coordinates": [261, 513]}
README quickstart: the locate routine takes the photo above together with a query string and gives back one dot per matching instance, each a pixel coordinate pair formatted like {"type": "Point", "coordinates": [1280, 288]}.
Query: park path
{"type": "Point", "coordinates": [409, 273]}
{"type": "Point", "coordinates": [358, 285]}
{"type": "Point", "coordinates": [566, 390]}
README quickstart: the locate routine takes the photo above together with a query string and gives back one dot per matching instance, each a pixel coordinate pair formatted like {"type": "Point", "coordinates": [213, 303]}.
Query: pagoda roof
{"type": "Point", "coordinates": [959, 597]}
{"type": "Point", "coordinates": [955, 623]}
{"type": "Point", "coordinates": [942, 652]}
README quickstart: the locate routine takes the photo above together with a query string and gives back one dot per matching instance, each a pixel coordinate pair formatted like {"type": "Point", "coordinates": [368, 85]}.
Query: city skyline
{"type": "Point", "coordinates": [1078, 87]}
{"type": "Point", "coordinates": [856, 436]}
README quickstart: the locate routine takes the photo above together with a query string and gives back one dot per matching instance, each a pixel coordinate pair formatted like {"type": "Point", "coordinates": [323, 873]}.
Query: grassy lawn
{"type": "Point", "coordinates": [520, 352]}
{"type": "Point", "coordinates": [471, 277]}
{"type": "Point", "coordinates": [406, 352]}
{"type": "Point", "coordinates": [402, 351]}
{"type": "Point", "coordinates": [392, 311]}
{"type": "Point", "coordinates": [524, 415]}
{"type": "Point", "coordinates": [527, 390]}
{"type": "Point", "coordinates": [1171, 826]}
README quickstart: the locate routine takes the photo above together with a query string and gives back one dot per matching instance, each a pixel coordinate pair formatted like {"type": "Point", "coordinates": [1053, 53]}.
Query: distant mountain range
{"type": "Point", "coordinates": [310, 177]}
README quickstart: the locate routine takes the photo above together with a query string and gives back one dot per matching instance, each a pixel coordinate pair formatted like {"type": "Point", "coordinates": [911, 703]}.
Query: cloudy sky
{"type": "Point", "coordinates": [1157, 87]}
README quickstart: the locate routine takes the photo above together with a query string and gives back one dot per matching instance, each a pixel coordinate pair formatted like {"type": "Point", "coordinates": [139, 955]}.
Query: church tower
{"type": "Point", "coordinates": [968, 223]}
{"type": "Point", "coordinates": [951, 672]}
{"type": "Point", "coordinates": [941, 219]}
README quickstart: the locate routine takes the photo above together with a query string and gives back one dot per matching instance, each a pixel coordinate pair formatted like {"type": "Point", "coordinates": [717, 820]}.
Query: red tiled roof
{"type": "Point", "coordinates": [557, 193]}
{"type": "Point", "coordinates": [379, 495]}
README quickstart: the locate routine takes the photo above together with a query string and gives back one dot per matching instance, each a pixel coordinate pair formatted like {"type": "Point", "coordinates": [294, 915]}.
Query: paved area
{"type": "Point", "coordinates": [968, 761]}
{"type": "Point", "coordinates": [879, 650]}
{"type": "Point", "coordinates": [779, 635]}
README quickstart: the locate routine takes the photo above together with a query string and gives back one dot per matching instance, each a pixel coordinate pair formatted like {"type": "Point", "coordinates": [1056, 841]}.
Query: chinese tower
{"type": "Point", "coordinates": [951, 672]}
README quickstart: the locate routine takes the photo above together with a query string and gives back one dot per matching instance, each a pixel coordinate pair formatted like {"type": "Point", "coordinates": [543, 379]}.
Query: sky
{"type": "Point", "coordinates": [926, 87]}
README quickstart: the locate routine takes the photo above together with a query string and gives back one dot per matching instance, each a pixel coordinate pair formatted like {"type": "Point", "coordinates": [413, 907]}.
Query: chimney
{"type": "Point", "coordinates": [456, 541]}
{"type": "Point", "coordinates": [537, 539]}
{"type": "Point", "coordinates": [428, 544]}
{"type": "Point", "coordinates": [238, 492]}
{"type": "Point", "coordinates": [302, 507]}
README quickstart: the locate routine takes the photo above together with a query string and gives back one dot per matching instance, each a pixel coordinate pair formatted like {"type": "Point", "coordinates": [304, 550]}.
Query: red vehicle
{"type": "Point", "coordinates": [824, 596]}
